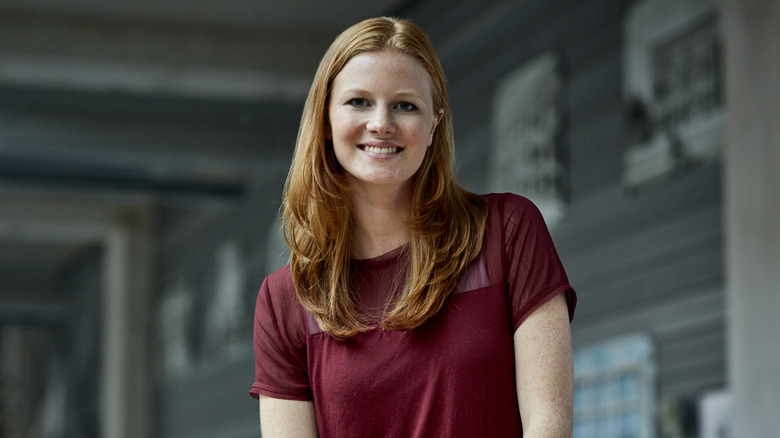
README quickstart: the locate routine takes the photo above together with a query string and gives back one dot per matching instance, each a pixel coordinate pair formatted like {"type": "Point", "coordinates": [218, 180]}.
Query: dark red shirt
{"type": "Point", "coordinates": [453, 376]}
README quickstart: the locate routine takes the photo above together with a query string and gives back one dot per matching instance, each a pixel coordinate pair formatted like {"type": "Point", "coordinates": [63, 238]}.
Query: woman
{"type": "Point", "coordinates": [410, 307]}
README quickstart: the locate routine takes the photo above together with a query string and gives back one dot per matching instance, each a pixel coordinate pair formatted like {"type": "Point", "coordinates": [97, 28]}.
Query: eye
{"type": "Point", "coordinates": [357, 102]}
{"type": "Point", "coordinates": [406, 106]}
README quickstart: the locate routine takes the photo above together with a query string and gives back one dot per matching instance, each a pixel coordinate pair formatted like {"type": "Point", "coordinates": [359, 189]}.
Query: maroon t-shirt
{"type": "Point", "coordinates": [453, 376]}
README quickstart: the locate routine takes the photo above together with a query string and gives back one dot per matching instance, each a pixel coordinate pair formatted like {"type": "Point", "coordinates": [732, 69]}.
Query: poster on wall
{"type": "Point", "coordinates": [176, 317]}
{"type": "Point", "coordinates": [526, 128]}
{"type": "Point", "coordinates": [226, 316]}
{"type": "Point", "coordinates": [614, 388]}
{"type": "Point", "coordinates": [715, 415]}
{"type": "Point", "coordinates": [672, 87]}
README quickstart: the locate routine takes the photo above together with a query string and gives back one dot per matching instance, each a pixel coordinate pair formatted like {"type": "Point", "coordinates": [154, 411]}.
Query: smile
{"type": "Point", "coordinates": [380, 150]}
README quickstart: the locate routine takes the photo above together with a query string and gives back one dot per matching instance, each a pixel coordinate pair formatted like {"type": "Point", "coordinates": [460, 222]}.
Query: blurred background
{"type": "Point", "coordinates": [144, 146]}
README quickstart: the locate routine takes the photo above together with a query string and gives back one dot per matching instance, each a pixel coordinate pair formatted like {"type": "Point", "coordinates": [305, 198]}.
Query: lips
{"type": "Point", "coordinates": [377, 150]}
{"type": "Point", "coordinates": [380, 148]}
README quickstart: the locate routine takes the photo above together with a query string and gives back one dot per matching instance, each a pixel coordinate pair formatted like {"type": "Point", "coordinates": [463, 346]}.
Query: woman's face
{"type": "Point", "coordinates": [381, 118]}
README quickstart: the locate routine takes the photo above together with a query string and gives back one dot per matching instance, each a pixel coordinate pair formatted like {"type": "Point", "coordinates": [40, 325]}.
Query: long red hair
{"type": "Point", "coordinates": [446, 225]}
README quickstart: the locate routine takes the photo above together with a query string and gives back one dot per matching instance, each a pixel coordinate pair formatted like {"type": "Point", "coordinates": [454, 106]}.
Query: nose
{"type": "Point", "coordinates": [381, 121]}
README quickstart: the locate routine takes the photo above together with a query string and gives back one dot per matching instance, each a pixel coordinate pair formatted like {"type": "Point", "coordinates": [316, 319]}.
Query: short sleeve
{"type": "Point", "coordinates": [281, 369]}
{"type": "Point", "coordinates": [532, 269]}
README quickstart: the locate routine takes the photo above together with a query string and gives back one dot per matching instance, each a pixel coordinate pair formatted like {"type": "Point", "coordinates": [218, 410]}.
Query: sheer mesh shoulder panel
{"type": "Point", "coordinates": [280, 341]}
{"type": "Point", "coordinates": [532, 269]}
{"type": "Point", "coordinates": [476, 276]}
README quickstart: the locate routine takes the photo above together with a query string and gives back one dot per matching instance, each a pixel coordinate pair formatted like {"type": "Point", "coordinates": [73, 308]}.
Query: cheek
{"type": "Point", "coordinates": [339, 126]}
{"type": "Point", "coordinates": [423, 133]}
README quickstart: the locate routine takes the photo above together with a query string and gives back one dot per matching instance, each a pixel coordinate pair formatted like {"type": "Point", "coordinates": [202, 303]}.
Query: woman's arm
{"type": "Point", "coordinates": [287, 418]}
{"type": "Point", "coordinates": [543, 371]}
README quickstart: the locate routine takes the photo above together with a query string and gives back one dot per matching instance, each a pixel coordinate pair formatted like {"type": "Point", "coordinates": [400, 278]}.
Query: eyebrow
{"type": "Point", "coordinates": [402, 93]}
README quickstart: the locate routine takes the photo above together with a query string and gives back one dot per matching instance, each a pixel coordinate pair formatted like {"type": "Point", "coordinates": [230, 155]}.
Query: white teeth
{"type": "Point", "coordinates": [378, 150]}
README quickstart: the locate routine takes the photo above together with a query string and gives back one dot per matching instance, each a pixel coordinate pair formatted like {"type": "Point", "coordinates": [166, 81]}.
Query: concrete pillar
{"type": "Point", "coordinates": [126, 397]}
{"type": "Point", "coordinates": [752, 208]}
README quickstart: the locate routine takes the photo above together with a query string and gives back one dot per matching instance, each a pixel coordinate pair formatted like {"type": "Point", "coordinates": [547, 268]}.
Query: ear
{"type": "Point", "coordinates": [435, 124]}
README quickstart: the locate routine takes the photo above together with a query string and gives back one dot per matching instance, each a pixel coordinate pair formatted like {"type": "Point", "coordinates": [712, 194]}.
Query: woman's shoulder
{"type": "Point", "coordinates": [510, 204]}
{"type": "Point", "coordinates": [278, 291]}
{"type": "Point", "coordinates": [278, 305]}
{"type": "Point", "coordinates": [514, 215]}
{"type": "Point", "coordinates": [281, 279]}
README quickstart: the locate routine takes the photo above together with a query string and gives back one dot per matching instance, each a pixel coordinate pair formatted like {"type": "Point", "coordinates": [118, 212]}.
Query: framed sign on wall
{"type": "Point", "coordinates": [526, 154]}
{"type": "Point", "coordinates": [673, 87]}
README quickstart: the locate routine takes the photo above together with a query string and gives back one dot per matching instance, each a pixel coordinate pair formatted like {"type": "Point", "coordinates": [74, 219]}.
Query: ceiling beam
{"type": "Point", "coordinates": [157, 58]}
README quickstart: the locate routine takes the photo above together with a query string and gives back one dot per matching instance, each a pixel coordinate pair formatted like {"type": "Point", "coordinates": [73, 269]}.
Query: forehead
{"type": "Point", "coordinates": [382, 68]}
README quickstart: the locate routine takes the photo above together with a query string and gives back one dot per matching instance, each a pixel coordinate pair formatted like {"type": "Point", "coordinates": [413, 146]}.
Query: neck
{"type": "Point", "coordinates": [380, 220]}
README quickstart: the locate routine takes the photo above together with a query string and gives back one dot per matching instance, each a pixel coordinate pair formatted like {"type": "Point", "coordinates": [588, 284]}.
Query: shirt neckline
{"type": "Point", "coordinates": [381, 260]}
